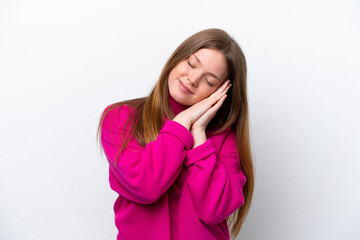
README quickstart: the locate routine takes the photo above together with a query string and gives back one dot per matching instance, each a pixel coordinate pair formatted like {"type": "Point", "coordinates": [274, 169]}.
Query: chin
{"type": "Point", "coordinates": [180, 99]}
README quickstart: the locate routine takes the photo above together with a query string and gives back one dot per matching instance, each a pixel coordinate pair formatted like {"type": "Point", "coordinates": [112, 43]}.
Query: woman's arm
{"type": "Point", "coordinates": [215, 182]}
{"type": "Point", "coordinates": [143, 174]}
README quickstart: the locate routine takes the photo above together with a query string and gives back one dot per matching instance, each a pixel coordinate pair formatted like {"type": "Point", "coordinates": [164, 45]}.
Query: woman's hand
{"type": "Point", "coordinates": [201, 123]}
{"type": "Point", "coordinates": [198, 127]}
{"type": "Point", "coordinates": [199, 115]}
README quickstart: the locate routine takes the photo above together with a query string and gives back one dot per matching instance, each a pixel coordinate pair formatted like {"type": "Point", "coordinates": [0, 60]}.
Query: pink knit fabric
{"type": "Point", "coordinates": [169, 190]}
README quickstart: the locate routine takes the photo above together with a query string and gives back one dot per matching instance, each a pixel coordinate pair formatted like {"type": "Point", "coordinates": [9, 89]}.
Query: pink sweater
{"type": "Point", "coordinates": [169, 190]}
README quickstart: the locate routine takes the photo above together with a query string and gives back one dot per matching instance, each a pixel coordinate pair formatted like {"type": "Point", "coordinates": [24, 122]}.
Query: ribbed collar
{"type": "Point", "coordinates": [175, 106]}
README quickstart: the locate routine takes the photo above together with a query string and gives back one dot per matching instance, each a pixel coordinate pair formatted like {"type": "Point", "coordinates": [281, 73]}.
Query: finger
{"type": "Point", "coordinates": [223, 86]}
{"type": "Point", "coordinates": [217, 95]}
{"type": "Point", "coordinates": [228, 87]}
{"type": "Point", "coordinates": [211, 111]}
{"type": "Point", "coordinates": [217, 105]}
{"type": "Point", "coordinates": [222, 89]}
{"type": "Point", "coordinates": [215, 99]}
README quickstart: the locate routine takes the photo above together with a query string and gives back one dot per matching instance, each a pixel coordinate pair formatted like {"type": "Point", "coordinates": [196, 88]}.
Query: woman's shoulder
{"type": "Point", "coordinates": [124, 108]}
{"type": "Point", "coordinates": [117, 111]}
{"type": "Point", "coordinates": [118, 114]}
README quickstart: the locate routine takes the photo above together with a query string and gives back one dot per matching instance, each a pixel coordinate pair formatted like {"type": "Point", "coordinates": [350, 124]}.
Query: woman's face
{"type": "Point", "coordinates": [198, 76]}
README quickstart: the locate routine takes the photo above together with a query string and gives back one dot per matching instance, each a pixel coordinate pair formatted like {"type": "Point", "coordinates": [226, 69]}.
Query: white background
{"type": "Point", "coordinates": [63, 62]}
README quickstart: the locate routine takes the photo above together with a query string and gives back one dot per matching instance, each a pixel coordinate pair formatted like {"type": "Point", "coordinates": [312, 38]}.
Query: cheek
{"type": "Point", "coordinates": [180, 70]}
{"type": "Point", "coordinates": [204, 92]}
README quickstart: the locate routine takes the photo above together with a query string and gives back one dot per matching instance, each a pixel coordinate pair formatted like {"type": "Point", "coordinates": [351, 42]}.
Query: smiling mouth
{"type": "Point", "coordinates": [185, 88]}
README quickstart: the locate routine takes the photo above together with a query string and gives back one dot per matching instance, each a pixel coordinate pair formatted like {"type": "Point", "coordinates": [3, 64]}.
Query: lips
{"type": "Point", "coordinates": [184, 87]}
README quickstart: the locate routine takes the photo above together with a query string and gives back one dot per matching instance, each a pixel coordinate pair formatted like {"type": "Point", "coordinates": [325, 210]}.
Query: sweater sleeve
{"type": "Point", "coordinates": [215, 182]}
{"type": "Point", "coordinates": [143, 174]}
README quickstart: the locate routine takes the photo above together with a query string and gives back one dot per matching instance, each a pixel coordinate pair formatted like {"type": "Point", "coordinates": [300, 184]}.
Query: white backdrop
{"type": "Point", "coordinates": [63, 62]}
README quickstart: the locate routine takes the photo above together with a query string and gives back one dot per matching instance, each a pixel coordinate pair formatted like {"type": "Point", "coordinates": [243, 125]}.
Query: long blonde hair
{"type": "Point", "coordinates": [150, 111]}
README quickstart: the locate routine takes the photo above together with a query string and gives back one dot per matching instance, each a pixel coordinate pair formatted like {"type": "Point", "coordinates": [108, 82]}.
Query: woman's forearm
{"type": "Point", "coordinates": [183, 120]}
{"type": "Point", "coordinates": [199, 137]}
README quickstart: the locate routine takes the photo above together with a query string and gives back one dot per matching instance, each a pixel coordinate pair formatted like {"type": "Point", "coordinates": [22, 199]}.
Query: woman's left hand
{"type": "Point", "coordinates": [203, 121]}
{"type": "Point", "coordinates": [198, 127]}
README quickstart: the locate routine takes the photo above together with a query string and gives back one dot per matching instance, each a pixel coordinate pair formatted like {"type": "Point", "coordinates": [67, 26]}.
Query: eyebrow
{"type": "Point", "coordinates": [209, 72]}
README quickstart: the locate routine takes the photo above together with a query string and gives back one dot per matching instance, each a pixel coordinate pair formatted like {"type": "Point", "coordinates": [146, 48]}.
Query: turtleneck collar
{"type": "Point", "coordinates": [175, 106]}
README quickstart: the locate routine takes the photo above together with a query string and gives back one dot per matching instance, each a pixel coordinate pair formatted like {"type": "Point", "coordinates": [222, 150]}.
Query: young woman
{"type": "Point", "coordinates": [180, 158]}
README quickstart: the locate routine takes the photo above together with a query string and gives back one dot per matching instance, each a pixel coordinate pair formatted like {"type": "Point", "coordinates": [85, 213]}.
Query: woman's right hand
{"type": "Point", "coordinates": [193, 113]}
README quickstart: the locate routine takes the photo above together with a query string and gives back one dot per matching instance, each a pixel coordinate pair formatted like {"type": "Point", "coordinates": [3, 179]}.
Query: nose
{"type": "Point", "coordinates": [194, 78]}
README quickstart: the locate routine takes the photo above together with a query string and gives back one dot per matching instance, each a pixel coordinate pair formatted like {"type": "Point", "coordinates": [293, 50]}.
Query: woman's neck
{"type": "Point", "coordinates": [175, 106]}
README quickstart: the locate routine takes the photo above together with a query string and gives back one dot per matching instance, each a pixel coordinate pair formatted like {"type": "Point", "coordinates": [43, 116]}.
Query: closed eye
{"type": "Point", "coordinates": [209, 83]}
{"type": "Point", "coordinates": [190, 64]}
